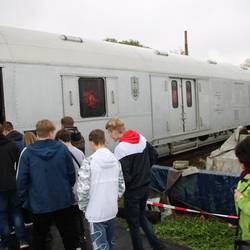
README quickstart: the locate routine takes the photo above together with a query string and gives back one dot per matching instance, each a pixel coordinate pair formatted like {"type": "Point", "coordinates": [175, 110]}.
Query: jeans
{"type": "Point", "coordinates": [64, 221]}
{"type": "Point", "coordinates": [10, 214]}
{"type": "Point", "coordinates": [102, 234]}
{"type": "Point", "coordinates": [135, 204]}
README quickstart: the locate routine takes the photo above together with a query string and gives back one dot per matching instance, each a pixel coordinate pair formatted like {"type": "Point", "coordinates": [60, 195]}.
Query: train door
{"type": "Point", "coordinates": [160, 108]}
{"type": "Point", "coordinates": [189, 105]}
{"type": "Point", "coordinates": [173, 106]}
{"type": "Point", "coordinates": [89, 97]}
{"type": "Point", "coordinates": [166, 107]}
{"type": "Point", "coordinates": [183, 105]}
{"type": "Point", "coordinates": [176, 123]}
{"type": "Point", "coordinates": [2, 110]}
{"type": "Point", "coordinates": [71, 105]}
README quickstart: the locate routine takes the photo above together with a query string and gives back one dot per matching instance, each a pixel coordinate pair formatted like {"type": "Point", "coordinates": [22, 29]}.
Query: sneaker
{"type": "Point", "coordinates": [13, 232]}
{"type": "Point", "coordinates": [24, 244]}
{"type": "Point", "coordinates": [30, 224]}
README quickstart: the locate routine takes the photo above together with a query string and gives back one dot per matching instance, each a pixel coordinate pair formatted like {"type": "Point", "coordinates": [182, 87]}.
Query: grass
{"type": "Point", "coordinates": [195, 232]}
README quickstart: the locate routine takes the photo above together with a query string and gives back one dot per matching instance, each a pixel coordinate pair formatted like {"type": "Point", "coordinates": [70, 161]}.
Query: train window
{"type": "Point", "coordinates": [175, 101]}
{"type": "Point", "coordinates": [2, 112]}
{"type": "Point", "coordinates": [92, 97]}
{"type": "Point", "coordinates": [189, 93]}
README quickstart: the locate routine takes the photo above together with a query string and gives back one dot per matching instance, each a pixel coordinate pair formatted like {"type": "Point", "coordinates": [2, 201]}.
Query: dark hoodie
{"type": "Point", "coordinates": [9, 155]}
{"type": "Point", "coordinates": [46, 176]}
{"type": "Point", "coordinates": [17, 138]}
{"type": "Point", "coordinates": [136, 156]}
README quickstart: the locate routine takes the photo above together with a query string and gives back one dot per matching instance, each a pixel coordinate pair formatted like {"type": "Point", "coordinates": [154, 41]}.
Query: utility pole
{"type": "Point", "coordinates": [186, 43]}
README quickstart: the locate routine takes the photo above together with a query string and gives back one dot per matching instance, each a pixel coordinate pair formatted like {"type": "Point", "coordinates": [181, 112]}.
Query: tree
{"type": "Point", "coordinates": [112, 40]}
{"type": "Point", "coordinates": [127, 42]}
{"type": "Point", "coordinates": [132, 42]}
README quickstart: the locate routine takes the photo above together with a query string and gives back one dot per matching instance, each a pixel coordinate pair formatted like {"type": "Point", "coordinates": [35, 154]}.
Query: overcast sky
{"type": "Point", "coordinates": [218, 29]}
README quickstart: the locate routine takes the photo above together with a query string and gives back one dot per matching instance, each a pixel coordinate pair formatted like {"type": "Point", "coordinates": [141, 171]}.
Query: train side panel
{"type": "Point", "coordinates": [166, 109]}
{"type": "Point", "coordinates": [34, 92]}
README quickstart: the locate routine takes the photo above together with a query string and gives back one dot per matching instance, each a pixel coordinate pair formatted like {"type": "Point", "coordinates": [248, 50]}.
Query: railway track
{"type": "Point", "coordinates": [195, 157]}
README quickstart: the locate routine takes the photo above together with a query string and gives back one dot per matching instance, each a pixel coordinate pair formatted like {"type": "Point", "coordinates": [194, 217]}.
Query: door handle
{"type": "Point", "coordinates": [167, 126]}
{"type": "Point", "coordinates": [71, 98]}
{"type": "Point", "coordinates": [112, 97]}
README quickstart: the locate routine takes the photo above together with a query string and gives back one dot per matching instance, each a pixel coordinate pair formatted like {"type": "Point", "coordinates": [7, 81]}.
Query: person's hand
{"type": "Point", "coordinates": [237, 194]}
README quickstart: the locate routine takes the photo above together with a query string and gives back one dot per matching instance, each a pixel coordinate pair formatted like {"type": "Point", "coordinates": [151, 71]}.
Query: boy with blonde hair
{"type": "Point", "coordinates": [136, 156]}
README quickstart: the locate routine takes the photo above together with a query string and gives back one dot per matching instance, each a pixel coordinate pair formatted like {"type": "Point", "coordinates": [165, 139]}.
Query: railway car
{"type": "Point", "coordinates": [178, 102]}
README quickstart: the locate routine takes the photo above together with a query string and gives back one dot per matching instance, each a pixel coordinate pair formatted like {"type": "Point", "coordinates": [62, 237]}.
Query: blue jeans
{"type": "Point", "coordinates": [102, 235]}
{"type": "Point", "coordinates": [135, 204]}
{"type": "Point", "coordinates": [10, 214]}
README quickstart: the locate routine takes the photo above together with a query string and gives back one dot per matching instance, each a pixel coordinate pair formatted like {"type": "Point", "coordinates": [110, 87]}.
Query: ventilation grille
{"type": "Point", "coordinates": [212, 62]}
{"type": "Point", "coordinates": [161, 53]}
{"type": "Point", "coordinates": [71, 39]}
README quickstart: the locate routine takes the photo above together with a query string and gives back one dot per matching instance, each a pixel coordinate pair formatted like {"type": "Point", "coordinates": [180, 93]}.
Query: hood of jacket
{"type": "Point", "coordinates": [15, 136]}
{"type": "Point", "coordinates": [130, 136]}
{"type": "Point", "coordinates": [243, 174]}
{"type": "Point", "coordinates": [45, 149]}
{"type": "Point", "coordinates": [3, 140]}
{"type": "Point", "coordinates": [105, 158]}
{"type": "Point", "coordinates": [75, 133]}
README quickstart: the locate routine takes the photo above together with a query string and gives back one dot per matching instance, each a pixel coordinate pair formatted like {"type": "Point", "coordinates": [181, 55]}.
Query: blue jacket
{"type": "Point", "coordinates": [46, 175]}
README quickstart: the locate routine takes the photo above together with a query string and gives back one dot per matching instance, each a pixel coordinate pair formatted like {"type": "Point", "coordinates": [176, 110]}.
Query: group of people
{"type": "Point", "coordinates": [48, 174]}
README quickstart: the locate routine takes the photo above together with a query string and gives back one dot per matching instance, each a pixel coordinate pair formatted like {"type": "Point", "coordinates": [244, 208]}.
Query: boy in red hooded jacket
{"type": "Point", "coordinates": [136, 156]}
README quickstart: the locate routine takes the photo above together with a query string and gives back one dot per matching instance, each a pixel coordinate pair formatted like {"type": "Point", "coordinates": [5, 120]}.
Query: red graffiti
{"type": "Point", "coordinates": [90, 99]}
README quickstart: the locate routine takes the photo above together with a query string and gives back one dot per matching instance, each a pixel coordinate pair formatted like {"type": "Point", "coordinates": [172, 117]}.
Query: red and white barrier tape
{"type": "Point", "coordinates": [157, 204]}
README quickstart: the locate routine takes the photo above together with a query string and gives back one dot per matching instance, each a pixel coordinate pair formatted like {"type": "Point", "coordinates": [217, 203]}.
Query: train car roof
{"type": "Point", "coordinates": [26, 46]}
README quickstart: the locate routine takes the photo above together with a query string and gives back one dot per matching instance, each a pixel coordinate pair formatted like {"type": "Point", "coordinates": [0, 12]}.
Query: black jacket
{"type": "Point", "coordinates": [9, 155]}
{"type": "Point", "coordinates": [17, 138]}
{"type": "Point", "coordinates": [136, 156]}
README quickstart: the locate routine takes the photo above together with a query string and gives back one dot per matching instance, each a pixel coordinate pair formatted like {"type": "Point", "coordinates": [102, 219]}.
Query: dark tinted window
{"type": "Point", "coordinates": [189, 93]}
{"type": "Point", "coordinates": [175, 101]}
{"type": "Point", "coordinates": [92, 97]}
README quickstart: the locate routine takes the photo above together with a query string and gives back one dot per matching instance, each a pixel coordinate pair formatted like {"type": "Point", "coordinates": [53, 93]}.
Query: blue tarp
{"type": "Point", "coordinates": [207, 190]}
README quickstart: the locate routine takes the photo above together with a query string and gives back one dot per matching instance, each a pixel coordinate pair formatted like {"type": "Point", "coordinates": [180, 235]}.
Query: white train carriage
{"type": "Point", "coordinates": [179, 103]}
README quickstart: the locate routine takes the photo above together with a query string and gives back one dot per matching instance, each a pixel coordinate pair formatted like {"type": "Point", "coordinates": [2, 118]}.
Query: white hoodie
{"type": "Point", "coordinates": [99, 185]}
